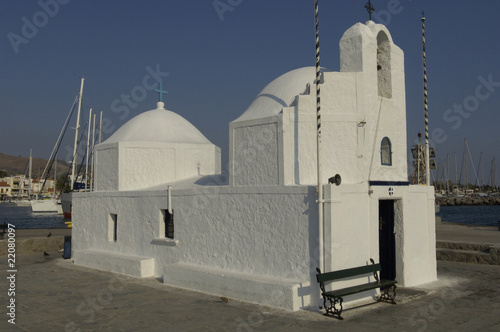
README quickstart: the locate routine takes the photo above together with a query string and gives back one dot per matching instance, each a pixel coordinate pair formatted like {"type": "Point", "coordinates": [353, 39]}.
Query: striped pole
{"type": "Point", "coordinates": [318, 143]}
{"type": "Point", "coordinates": [426, 108]}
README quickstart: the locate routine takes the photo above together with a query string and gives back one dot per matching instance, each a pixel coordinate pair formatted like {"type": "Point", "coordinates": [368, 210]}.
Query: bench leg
{"type": "Point", "coordinates": [335, 306]}
{"type": "Point", "coordinates": [388, 294]}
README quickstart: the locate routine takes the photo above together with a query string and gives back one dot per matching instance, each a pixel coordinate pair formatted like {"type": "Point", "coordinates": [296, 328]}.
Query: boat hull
{"type": "Point", "coordinates": [66, 204]}
{"type": "Point", "coordinates": [46, 205]}
{"type": "Point", "coordinates": [22, 203]}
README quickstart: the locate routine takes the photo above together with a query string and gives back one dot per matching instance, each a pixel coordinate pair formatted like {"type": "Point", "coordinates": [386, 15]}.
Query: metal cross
{"type": "Point", "coordinates": [369, 8]}
{"type": "Point", "coordinates": [160, 92]}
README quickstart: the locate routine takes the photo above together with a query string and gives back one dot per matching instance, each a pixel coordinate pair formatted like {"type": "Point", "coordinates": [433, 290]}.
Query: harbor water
{"type": "Point", "coordinates": [23, 218]}
{"type": "Point", "coordinates": [478, 215]}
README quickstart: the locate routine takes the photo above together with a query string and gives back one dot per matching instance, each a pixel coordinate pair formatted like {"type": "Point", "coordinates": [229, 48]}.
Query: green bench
{"type": "Point", "coordinates": [332, 300]}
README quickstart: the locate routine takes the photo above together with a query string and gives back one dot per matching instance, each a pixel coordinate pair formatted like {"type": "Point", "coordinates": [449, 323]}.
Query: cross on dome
{"type": "Point", "coordinates": [160, 92]}
{"type": "Point", "coordinates": [369, 8]}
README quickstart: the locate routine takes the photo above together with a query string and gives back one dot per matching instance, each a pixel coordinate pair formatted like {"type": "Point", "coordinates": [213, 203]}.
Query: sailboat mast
{"type": "Point", "coordinates": [88, 150]}
{"type": "Point", "coordinates": [55, 177]}
{"type": "Point", "coordinates": [456, 172]}
{"type": "Point", "coordinates": [30, 169]}
{"type": "Point", "coordinates": [92, 156]}
{"type": "Point", "coordinates": [100, 127]}
{"type": "Point", "coordinates": [447, 172]}
{"type": "Point", "coordinates": [77, 128]}
{"type": "Point", "coordinates": [493, 175]}
{"type": "Point", "coordinates": [466, 169]}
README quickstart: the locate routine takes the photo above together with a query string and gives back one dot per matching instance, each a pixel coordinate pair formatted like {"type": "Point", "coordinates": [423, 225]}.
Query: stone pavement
{"type": "Point", "coordinates": [35, 240]}
{"type": "Point", "coordinates": [53, 294]}
{"type": "Point", "coordinates": [446, 231]}
{"type": "Point", "coordinates": [468, 244]}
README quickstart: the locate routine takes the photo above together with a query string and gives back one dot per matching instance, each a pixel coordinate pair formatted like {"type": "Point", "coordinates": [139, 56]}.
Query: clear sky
{"type": "Point", "coordinates": [215, 56]}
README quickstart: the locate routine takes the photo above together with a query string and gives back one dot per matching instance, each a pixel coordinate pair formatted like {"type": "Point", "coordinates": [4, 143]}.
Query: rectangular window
{"type": "Point", "coordinates": [167, 224]}
{"type": "Point", "coordinates": [112, 227]}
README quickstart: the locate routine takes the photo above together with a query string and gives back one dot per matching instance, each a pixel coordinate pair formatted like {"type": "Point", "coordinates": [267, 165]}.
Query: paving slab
{"type": "Point", "coordinates": [454, 232]}
{"type": "Point", "coordinates": [53, 294]}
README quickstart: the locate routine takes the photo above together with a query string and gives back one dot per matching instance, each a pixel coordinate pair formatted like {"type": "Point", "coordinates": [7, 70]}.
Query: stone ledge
{"type": "Point", "coordinates": [135, 266]}
{"type": "Point", "coordinates": [165, 242]}
{"type": "Point", "coordinates": [489, 256]}
{"type": "Point", "coordinates": [275, 292]}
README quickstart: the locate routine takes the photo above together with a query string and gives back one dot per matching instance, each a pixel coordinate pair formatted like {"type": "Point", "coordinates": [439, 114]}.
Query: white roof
{"type": "Point", "coordinates": [158, 125]}
{"type": "Point", "coordinates": [280, 93]}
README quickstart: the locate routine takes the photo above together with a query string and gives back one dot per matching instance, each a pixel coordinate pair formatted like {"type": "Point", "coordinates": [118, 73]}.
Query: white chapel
{"type": "Point", "coordinates": [161, 207]}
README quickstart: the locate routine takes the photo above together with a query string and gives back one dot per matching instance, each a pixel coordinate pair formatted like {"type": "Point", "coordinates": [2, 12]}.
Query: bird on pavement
{"type": "Point", "coordinates": [224, 299]}
{"type": "Point", "coordinates": [46, 253]}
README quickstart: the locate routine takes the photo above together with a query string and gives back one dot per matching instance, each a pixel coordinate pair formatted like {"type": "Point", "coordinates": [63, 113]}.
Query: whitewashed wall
{"type": "Point", "coordinates": [261, 232]}
{"type": "Point", "coordinates": [139, 165]}
{"type": "Point", "coordinates": [255, 152]}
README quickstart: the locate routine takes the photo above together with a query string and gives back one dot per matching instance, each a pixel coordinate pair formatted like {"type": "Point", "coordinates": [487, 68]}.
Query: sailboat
{"type": "Point", "coordinates": [26, 202]}
{"type": "Point", "coordinates": [51, 204]}
{"type": "Point", "coordinates": [54, 204]}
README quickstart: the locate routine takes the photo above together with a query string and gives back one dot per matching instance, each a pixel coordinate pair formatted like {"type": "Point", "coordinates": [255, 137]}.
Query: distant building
{"type": "Point", "coordinates": [5, 190]}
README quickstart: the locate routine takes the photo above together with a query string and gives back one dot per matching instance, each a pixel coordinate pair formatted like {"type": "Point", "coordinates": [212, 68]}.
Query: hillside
{"type": "Point", "coordinates": [18, 165]}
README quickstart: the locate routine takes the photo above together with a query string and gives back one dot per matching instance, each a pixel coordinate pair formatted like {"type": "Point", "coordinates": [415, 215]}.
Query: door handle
{"type": "Point", "coordinates": [380, 223]}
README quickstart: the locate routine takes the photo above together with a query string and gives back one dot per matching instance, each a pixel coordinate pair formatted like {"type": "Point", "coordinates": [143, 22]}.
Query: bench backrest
{"type": "Point", "coordinates": [341, 274]}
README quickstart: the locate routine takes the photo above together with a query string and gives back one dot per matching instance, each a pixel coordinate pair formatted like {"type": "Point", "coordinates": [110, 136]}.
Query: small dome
{"type": "Point", "coordinates": [280, 93]}
{"type": "Point", "coordinates": [158, 125]}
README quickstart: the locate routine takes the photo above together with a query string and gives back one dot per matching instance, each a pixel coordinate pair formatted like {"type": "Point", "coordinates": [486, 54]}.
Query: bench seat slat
{"type": "Point", "coordinates": [355, 271]}
{"type": "Point", "coordinates": [360, 288]}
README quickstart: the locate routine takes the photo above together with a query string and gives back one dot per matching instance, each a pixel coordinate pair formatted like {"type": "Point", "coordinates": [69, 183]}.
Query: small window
{"type": "Point", "coordinates": [386, 152]}
{"type": "Point", "coordinates": [112, 227]}
{"type": "Point", "coordinates": [167, 224]}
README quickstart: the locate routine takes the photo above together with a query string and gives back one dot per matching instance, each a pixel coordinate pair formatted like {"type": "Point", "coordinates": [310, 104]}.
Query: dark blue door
{"type": "Point", "coordinates": [387, 240]}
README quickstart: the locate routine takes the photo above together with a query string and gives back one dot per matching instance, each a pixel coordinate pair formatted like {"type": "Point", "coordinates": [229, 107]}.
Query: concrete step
{"type": "Point", "coordinates": [468, 252]}
{"type": "Point", "coordinates": [463, 246]}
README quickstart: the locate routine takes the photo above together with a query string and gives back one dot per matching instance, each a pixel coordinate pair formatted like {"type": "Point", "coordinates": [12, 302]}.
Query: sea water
{"type": "Point", "coordinates": [22, 217]}
{"type": "Point", "coordinates": [479, 215]}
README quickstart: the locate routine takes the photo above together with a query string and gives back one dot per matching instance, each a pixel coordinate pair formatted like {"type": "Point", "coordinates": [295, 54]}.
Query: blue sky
{"type": "Point", "coordinates": [213, 63]}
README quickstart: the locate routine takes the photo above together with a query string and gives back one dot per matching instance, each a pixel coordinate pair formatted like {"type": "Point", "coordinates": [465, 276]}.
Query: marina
{"type": "Point", "coordinates": [24, 218]}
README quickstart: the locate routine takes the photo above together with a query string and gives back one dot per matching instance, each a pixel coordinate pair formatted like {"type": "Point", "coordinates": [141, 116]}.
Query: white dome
{"type": "Point", "coordinates": [280, 93]}
{"type": "Point", "coordinates": [158, 125]}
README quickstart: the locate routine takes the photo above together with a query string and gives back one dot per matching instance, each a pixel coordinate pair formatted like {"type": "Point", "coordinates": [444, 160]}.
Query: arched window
{"type": "Point", "coordinates": [386, 152]}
